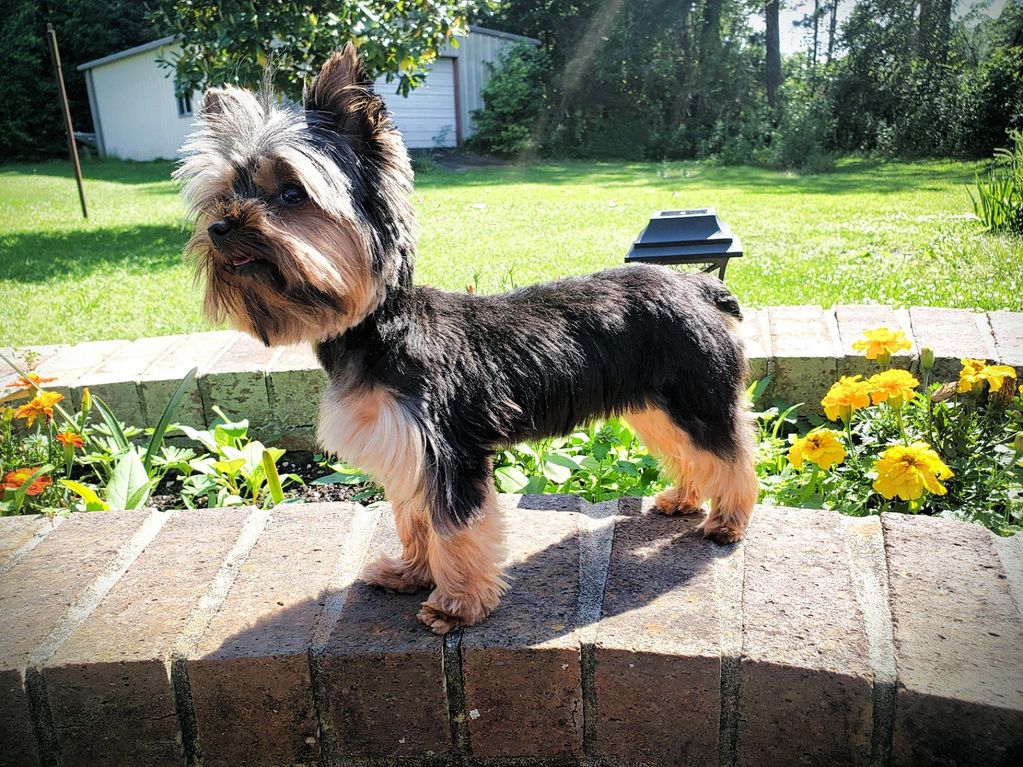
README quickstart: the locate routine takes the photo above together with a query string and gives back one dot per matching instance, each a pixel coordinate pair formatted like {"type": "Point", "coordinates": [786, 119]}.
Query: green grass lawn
{"type": "Point", "coordinates": [895, 233]}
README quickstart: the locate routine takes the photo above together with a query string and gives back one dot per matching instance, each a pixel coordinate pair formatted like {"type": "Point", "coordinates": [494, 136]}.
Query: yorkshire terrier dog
{"type": "Point", "coordinates": [305, 232]}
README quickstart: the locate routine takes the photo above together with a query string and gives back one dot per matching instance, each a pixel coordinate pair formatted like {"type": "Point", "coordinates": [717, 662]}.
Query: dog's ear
{"type": "Point", "coordinates": [214, 102]}
{"type": "Point", "coordinates": [343, 90]}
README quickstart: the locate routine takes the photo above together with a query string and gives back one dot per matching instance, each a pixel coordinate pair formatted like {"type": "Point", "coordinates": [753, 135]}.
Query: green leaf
{"type": "Point", "coordinates": [509, 479]}
{"type": "Point", "coordinates": [273, 479]}
{"type": "Point", "coordinates": [156, 441]}
{"type": "Point", "coordinates": [229, 468]}
{"type": "Point", "coordinates": [92, 500]}
{"type": "Point", "coordinates": [116, 432]}
{"type": "Point", "coordinates": [341, 478]}
{"type": "Point", "coordinates": [129, 483]}
{"type": "Point", "coordinates": [558, 468]}
{"type": "Point", "coordinates": [204, 438]}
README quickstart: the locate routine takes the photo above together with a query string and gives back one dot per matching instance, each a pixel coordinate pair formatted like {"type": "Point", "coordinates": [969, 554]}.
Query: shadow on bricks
{"type": "Point", "coordinates": [371, 682]}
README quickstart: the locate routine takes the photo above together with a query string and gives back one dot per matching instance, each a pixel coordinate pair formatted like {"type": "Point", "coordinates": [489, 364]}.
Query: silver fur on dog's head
{"type": "Point", "coordinates": [282, 198]}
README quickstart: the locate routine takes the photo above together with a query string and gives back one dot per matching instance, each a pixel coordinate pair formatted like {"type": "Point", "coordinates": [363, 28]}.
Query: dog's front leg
{"type": "Point", "coordinates": [411, 571]}
{"type": "Point", "coordinates": [465, 563]}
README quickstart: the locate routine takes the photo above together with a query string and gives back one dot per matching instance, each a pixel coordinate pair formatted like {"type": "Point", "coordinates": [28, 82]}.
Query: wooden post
{"type": "Point", "coordinates": [71, 147]}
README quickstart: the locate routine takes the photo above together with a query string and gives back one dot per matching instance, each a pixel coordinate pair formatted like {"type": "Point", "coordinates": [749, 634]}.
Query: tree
{"type": "Point", "coordinates": [30, 124]}
{"type": "Point", "coordinates": [233, 41]}
{"type": "Point", "coordinates": [773, 50]}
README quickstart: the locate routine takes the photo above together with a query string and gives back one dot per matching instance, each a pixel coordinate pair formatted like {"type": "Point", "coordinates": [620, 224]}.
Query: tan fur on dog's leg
{"type": "Point", "coordinates": [411, 571]}
{"type": "Point", "coordinates": [730, 484]}
{"type": "Point", "coordinates": [466, 566]}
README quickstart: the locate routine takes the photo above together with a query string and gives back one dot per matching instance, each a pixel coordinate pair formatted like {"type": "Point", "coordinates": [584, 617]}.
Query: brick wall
{"type": "Point", "coordinates": [245, 637]}
{"type": "Point", "coordinates": [803, 348]}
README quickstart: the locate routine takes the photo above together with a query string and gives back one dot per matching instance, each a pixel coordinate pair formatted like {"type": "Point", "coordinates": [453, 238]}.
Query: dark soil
{"type": "Point", "coordinates": [303, 464]}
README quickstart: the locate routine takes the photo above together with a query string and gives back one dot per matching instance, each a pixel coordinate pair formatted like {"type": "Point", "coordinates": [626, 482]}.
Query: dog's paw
{"type": "Point", "coordinates": [676, 501]}
{"type": "Point", "coordinates": [445, 614]}
{"type": "Point", "coordinates": [395, 574]}
{"type": "Point", "coordinates": [723, 533]}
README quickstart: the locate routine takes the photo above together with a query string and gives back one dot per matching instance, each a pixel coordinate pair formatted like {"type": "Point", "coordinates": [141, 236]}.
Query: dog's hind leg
{"type": "Point", "coordinates": [730, 483]}
{"type": "Point", "coordinates": [465, 562]}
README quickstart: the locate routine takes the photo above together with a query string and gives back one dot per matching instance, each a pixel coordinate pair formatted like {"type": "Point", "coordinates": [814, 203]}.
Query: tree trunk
{"type": "Point", "coordinates": [773, 61]}
{"type": "Point", "coordinates": [816, 33]}
{"type": "Point", "coordinates": [832, 29]}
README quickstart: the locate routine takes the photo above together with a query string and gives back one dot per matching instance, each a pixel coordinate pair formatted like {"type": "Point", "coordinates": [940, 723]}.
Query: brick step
{"type": "Point", "coordinates": [803, 348]}
{"type": "Point", "coordinates": [244, 636]}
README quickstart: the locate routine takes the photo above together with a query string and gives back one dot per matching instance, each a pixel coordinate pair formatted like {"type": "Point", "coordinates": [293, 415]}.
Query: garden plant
{"type": "Point", "coordinates": [891, 442]}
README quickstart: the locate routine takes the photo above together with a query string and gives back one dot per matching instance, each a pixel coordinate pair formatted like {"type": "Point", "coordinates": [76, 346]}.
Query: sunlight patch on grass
{"type": "Point", "coordinates": [897, 233]}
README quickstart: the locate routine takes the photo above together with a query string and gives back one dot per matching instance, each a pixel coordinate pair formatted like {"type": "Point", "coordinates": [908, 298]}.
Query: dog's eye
{"type": "Point", "coordinates": [293, 194]}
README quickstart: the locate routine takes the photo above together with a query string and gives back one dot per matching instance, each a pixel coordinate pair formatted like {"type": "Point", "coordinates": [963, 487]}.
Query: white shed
{"type": "Point", "coordinates": [137, 116]}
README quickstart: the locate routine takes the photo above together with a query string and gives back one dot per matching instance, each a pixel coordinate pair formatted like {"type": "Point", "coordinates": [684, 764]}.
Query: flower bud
{"type": "Point", "coordinates": [926, 358]}
{"type": "Point", "coordinates": [1017, 443]}
{"type": "Point", "coordinates": [86, 399]}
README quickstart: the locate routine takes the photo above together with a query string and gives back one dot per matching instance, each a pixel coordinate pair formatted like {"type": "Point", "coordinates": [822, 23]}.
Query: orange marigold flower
{"type": "Point", "coordinates": [848, 394]}
{"type": "Point", "coordinates": [976, 372]}
{"type": "Point", "coordinates": [881, 342]}
{"type": "Point", "coordinates": [41, 406]}
{"type": "Point", "coordinates": [15, 479]}
{"type": "Point", "coordinates": [25, 382]}
{"type": "Point", "coordinates": [892, 386]}
{"type": "Point", "coordinates": [70, 438]}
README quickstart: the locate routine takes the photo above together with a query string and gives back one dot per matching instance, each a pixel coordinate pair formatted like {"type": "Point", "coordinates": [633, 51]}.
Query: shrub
{"type": "Point", "coordinates": [513, 99]}
{"type": "Point", "coordinates": [999, 200]}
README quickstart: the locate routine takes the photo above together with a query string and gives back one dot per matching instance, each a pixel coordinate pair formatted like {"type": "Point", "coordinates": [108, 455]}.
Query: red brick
{"type": "Point", "coordinates": [17, 532]}
{"type": "Point", "coordinates": [236, 381]}
{"type": "Point", "coordinates": [115, 379]}
{"type": "Point", "coordinates": [1007, 328]}
{"type": "Point", "coordinates": [383, 671]}
{"type": "Point", "coordinates": [34, 594]}
{"type": "Point", "coordinates": [756, 334]}
{"type": "Point", "coordinates": [159, 381]}
{"type": "Point", "coordinates": [804, 341]}
{"type": "Point", "coordinates": [520, 668]}
{"type": "Point", "coordinates": [249, 675]}
{"type": "Point", "coordinates": [953, 334]}
{"type": "Point", "coordinates": [854, 320]}
{"type": "Point", "coordinates": [805, 676]}
{"type": "Point", "coordinates": [296, 385]}
{"type": "Point", "coordinates": [958, 641]}
{"type": "Point", "coordinates": [72, 362]}
{"type": "Point", "coordinates": [108, 687]}
{"type": "Point", "coordinates": [18, 747]}
{"type": "Point", "coordinates": [657, 651]}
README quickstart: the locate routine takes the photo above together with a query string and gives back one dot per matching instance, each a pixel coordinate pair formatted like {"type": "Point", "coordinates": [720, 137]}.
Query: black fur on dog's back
{"type": "Point", "coordinates": [478, 372]}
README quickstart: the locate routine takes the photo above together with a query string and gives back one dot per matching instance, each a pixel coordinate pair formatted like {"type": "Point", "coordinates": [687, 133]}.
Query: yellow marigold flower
{"type": "Point", "coordinates": [906, 471]}
{"type": "Point", "coordinates": [880, 342]}
{"type": "Point", "coordinates": [848, 394]}
{"type": "Point", "coordinates": [976, 372]}
{"type": "Point", "coordinates": [70, 438]}
{"type": "Point", "coordinates": [820, 447]}
{"type": "Point", "coordinates": [41, 406]}
{"type": "Point", "coordinates": [892, 386]}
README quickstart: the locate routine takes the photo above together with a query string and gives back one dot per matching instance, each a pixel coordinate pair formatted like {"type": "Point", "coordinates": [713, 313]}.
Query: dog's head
{"type": "Point", "coordinates": [302, 214]}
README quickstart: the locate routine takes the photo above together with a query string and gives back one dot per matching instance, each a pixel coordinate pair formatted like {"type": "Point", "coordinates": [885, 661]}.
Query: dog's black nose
{"type": "Point", "coordinates": [218, 230]}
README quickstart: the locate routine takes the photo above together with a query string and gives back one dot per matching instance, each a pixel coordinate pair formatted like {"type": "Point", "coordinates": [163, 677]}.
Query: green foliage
{"type": "Point", "coordinates": [233, 41]}
{"type": "Point", "coordinates": [999, 200]}
{"type": "Point", "coordinates": [604, 461]}
{"type": "Point", "coordinates": [868, 232]}
{"type": "Point", "coordinates": [123, 473]}
{"type": "Point", "coordinates": [973, 433]}
{"type": "Point", "coordinates": [513, 99]}
{"type": "Point", "coordinates": [237, 471]}
{"type": "Point", "coordinates": [30, 124]}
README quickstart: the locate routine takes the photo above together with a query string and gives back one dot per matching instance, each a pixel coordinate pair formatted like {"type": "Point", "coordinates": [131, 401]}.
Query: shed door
{"type": "Point", "coordinates": [426, 117]}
